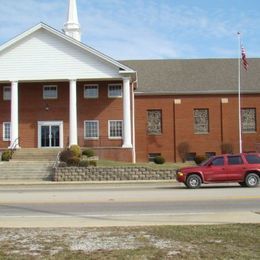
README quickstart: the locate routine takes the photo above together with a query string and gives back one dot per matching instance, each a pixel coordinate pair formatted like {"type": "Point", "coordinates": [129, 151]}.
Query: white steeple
{"type": "Point", "coordinates": [72, 27]}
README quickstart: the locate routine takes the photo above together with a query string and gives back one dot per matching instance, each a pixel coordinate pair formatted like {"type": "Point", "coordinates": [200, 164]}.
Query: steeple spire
{"type": "Point", "coordinates": [72, 27]}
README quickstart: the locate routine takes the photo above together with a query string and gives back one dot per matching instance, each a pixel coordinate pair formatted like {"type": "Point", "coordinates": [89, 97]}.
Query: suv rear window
{"type": "Point", "coordinates": [252, 158]}
{"type": "Point", "coordinates": [234, 160]}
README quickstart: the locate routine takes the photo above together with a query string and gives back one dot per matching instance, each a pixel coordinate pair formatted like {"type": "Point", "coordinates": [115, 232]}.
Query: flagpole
{"type": "Point", "coordinates": [239, 93]}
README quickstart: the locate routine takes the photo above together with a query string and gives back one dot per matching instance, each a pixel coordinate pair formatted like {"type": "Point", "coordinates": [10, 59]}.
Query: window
{"type": "Point", "coordinates": [116, 129]}
{"type": "Point", "coordinates": [248, 118]}
{"type": "Point", "coordinates": [252, 158]}
{"type": "Point", "coordinates": [7, 93]}
{"type": "Point", "coordinates": [234, 160]}
{"type": "Point", "coordinates": [91, 129]}
{"type": "Point", "coordinates": [114, 90]}
{"type": "Point", "coordinates": [154, 124]}
{"type": "Point", "coordinates": [91, 91]}
{"type": "Point", "coordinates": [218, 161]}
{"type": "Point", "coordinates": [50, 92]}
{"type": "Point", "coordinates": [201, 121]}
{"type": "Point", "coordinates": [6, 131]}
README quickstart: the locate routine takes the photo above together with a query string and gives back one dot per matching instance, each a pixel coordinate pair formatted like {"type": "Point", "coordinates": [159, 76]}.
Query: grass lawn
{"type": "Point", "coordinates": [106, 163]}
{"type": "Point", "coordinates": [157, 242]}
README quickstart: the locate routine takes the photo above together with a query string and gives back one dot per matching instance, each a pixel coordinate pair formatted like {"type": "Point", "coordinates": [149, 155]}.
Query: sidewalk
{"type": "Point", "coordinates": [53, 183]}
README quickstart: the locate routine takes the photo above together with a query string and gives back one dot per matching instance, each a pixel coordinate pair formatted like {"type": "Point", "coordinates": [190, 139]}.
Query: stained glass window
{"type": "Point", "coordinates": [154, 125]}
{"type": "Point", "coordinates": [201, 121]}
{"type": "Point", "coordinates": [248, 120]}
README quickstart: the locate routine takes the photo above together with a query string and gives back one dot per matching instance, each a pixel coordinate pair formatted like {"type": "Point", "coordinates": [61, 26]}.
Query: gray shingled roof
{"type": "Point", "coordinates": [195, 76]}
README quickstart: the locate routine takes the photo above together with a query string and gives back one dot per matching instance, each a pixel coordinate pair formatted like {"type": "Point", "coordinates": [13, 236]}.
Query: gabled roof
{"type": "Point", "coordinates": [196, 76]}
{"type": "Point", "coordinates": [123, 68]}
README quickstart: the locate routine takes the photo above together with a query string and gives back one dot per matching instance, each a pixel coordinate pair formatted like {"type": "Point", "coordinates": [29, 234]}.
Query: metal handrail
{"type": "Point", "coordinates": [57, 160]}
{"type": "Point", "coordinates": [14, 145]}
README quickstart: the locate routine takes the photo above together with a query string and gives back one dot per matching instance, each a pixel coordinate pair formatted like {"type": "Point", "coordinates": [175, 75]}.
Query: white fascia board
{"type": "Point", "coordinates": [70, 39]}
{"type": "Point", "coordinates": [19, 37]}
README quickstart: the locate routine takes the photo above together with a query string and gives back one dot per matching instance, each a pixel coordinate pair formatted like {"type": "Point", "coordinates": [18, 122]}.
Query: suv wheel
{"type": "Point", "coordinates": [252, 180]}
{"type": "Point", "coordinates": [193, 181]}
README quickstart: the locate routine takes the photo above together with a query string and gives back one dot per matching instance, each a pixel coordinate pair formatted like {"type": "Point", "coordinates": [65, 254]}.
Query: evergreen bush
{"type": "Point", "coordinates": [65, 155]}
{"type": "Point", "coordinates": [6, 155]}
{"type": "Point", "coordinates": [88, 153]}
{"type": "Point", "coordinates": [83, 163]}
{"type": "Point", "coordinates": [93, 163]}
{"type": "Point", "coordinates": [159, 160]}
{"type": "Point", "coordinates": [75, 149]}
{"type": "Point", "coordinates": [73, 161]}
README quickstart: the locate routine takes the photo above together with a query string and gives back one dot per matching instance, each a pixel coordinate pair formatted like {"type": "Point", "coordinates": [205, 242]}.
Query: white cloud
{"type": "Point", "coordinates": [140, 28]}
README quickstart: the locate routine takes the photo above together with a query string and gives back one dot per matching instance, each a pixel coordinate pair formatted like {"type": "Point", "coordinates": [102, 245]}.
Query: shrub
{"type": "Point", "coordinates": [88, 153]}
{"type": "Point", "coordinates": [65, 155]}
{"type": "Point", "coordinates": [159, 160]}
{"type": "Point", "coordinates": [93, 163]}
{"type": "Point", "coordinates": [6, 155]}
{"type": "Point", "coordinates": [199, 159]}
{"type": "Point", "coordinates": [83, 163]}
{"type": "Point", "coordinates": [226, 148]}
{"type": "Point", "coordinates": [75, 149]}
{"type": "Point", "coordinates": [73, 161]}
{"type": "Point", "coordinates": [183, 150]}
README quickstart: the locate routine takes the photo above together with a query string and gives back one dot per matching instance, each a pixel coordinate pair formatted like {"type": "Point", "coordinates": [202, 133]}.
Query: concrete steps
{"type": "Point", "coordinates": [29, 164]}
{"type": "Point", "coordinates": [35, 154]}
{"type": "Point", "coordinates": [26, 170]}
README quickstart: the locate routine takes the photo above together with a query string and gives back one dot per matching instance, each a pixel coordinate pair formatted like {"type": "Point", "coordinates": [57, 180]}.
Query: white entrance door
{"type": "Point", "coordinates": [50, 134]}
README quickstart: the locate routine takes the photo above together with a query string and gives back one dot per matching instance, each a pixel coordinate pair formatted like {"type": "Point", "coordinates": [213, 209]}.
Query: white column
{"type": "Point", "coordinates": [73, 135]}
{"type": "Point", "coordinates": [14, 115]}
{"type": "Point", "coordinates": [127, 133]}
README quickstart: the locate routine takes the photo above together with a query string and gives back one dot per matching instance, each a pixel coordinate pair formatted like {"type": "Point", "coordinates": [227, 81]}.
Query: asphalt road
{"type": "Point", "coordinates": [126, 204]}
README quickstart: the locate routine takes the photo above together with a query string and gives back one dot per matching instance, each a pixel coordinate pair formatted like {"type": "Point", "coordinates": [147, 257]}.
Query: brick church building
{"type": "Point", "coordinates": [56, 91]}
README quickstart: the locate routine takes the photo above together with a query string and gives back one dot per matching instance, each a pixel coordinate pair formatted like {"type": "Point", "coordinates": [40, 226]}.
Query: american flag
{"type": "Point", "coordinates": [244, 60]}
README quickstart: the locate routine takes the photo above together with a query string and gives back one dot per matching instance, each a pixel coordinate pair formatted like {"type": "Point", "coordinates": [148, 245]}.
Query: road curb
{"type": "Point", "coordinates": [52, 183]}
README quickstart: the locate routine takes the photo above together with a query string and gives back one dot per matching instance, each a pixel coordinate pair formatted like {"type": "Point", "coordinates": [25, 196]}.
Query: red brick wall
{"type": "Point", "coordinates": [154, 143]}
{"type": "Point", "coordinates": [177, 120]}
{"type": "Point", "coordinates": [102, 109]}
{"type": "Point", "coordinates": [32, 109]}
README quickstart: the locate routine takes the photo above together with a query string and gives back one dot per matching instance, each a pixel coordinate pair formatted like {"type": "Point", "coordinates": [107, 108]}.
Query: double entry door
{"type": "Point", "coordinates": [50, 134]}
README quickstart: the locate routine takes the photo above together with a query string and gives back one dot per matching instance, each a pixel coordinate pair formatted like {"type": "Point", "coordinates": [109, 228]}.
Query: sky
{"type": "Point", "coordinates": [147, 29]}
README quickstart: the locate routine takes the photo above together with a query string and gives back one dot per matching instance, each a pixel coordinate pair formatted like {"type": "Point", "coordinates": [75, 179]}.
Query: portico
{"type": "Point", "coordinates": [49, 85]}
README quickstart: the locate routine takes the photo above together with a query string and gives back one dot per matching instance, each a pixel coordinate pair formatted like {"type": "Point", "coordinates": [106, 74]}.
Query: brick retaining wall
{"type": "Point", "coordinates": [111, 174]}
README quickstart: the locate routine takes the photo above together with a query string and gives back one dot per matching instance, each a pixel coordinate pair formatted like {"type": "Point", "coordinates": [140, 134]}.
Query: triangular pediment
{"type": "Point", "coordinates": [43, 53]}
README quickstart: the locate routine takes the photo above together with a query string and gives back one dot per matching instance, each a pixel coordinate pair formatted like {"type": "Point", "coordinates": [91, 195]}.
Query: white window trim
{"type": "Point", "coordinates": [91, 85]}
{"type": "Point", "coordinates": [47, 86]}
{"type": "Point", "coordinates": [108, 92]}
{"type": "Point", "coordinates": [91, 138]}
{"type": "Point", "coordinates": [115, 137]}
{"type": "Point", "coordinates": [4, 88]}
{"type": "Point", "coordinates": [6, 139]}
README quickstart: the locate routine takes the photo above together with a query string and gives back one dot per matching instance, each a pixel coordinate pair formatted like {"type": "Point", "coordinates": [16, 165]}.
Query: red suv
{"type": "Point", "coordinates": [242, 168]}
